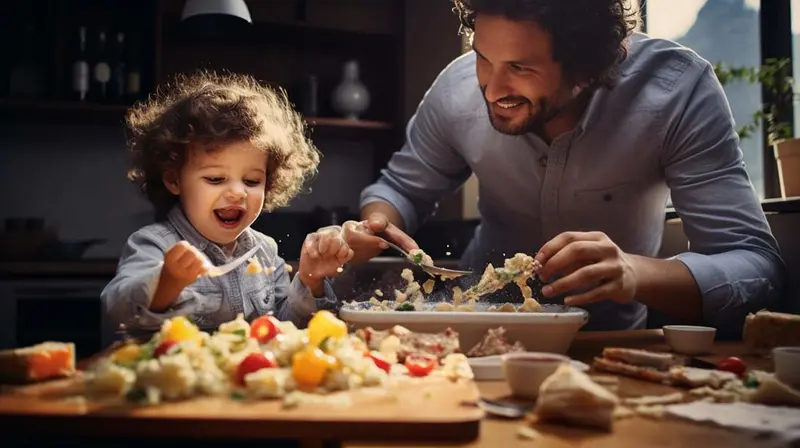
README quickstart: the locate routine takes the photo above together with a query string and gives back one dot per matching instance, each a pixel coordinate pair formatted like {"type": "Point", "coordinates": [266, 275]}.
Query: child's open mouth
{"type": "Point", "coordinates": [229, 217]}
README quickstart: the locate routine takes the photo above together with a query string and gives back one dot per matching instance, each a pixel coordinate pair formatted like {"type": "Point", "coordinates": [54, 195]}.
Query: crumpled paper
{"type": "Point", "coordinates": [781, 422]}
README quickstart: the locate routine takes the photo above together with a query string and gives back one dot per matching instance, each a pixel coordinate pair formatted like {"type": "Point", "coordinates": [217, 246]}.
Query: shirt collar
{"type": "Point", "coordinates": [187, 232]}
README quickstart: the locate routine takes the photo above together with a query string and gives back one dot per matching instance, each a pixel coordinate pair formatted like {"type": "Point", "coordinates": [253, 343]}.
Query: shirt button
{"type": "Point", "coordinates": [543, 161]}
{"type": "Point", "coordinates": [607, 197]}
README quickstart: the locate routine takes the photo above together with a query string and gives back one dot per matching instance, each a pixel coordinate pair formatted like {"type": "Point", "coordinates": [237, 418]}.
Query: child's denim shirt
{"type": "Point", "coordinates": [209, 301]}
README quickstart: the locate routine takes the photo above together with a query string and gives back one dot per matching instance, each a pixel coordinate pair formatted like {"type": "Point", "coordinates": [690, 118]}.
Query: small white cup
{"type": "Point", "coordinates": [787, 365]}
{"type": "Point", "coordinates": [690, 339]}
{"type": "Point", "coordinates": [525, 371]}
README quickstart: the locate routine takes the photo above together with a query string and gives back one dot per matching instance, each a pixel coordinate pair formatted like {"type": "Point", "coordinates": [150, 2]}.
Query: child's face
{"type": "Point", "coordinates": [222, 192]}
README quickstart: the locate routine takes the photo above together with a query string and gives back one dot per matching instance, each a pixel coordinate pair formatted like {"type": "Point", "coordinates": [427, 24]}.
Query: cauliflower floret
{"type": "Point", "coordinates": [171, 376]}
{"type": "Point", "coordinates": [111, 380]}
{"type": "Point", "coordinates": [444, 306]}
{"type": "Point", "coordinates": [285, 345]}
{"type": "Point", "coordinates": [269, 383]}
{"type": "Point", "coordinates": [236, 325]}
{"type": "Point", "coordinates": [211, 380]}
{"type": "Point", "coordinates": [530, 306]}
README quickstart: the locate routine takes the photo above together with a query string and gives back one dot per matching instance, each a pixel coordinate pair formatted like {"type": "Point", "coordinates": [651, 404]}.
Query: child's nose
{"type": "Point", "coordinates": [237, 192]}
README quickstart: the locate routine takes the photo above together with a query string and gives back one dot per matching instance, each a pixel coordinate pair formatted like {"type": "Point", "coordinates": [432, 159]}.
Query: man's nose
{"type": "Point", "coordinates": [496, 87]}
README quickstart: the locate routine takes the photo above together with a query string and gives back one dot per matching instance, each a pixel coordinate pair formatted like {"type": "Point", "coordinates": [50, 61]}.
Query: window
{"type": "Point", "coordinates": [721, 31]}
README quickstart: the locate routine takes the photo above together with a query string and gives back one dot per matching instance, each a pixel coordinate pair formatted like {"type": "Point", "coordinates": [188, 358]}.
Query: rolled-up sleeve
{"type": "Point", "coordinates": [126, 299]}
{"type": "Point", "coordinates": [732, 255]}
{"type": "Point", "coordinates": [427, 167]}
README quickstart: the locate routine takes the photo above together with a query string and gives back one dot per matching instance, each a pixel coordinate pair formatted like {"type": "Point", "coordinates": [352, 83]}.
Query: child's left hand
{"type": "Point", "coordinates": [323, 255]}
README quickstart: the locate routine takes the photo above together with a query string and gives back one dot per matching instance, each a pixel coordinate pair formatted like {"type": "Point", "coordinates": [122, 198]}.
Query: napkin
{"type": "Point", "coordinates": [781, 422]}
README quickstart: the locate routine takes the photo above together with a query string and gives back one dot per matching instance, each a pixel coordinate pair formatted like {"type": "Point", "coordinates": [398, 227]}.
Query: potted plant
{"type": "Point", "coordinates": [774, 77]}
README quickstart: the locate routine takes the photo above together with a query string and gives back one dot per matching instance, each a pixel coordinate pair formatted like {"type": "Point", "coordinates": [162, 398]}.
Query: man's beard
{"type": "Point", "coordinates": [534, 122]}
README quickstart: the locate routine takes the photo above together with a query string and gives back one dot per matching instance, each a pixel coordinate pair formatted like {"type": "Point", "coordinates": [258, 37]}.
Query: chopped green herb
{"type": "Point", "coordinates": [136, 395]}
{"type": "Point", "coordinates": [241, 332]}
{"type": "Point", "coordinates": [417, 258]}
{"type": "Point", "coordinates": [751, 382]}
{"type": "Point", "coordinates": [405, 306]}
{"type": "Point", "coordinates": [238, 395]}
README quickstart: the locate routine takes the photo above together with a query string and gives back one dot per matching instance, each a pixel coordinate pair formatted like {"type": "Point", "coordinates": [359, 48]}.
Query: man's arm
{"type": "Point", "coordinates": [425, 169]}
{"type": "Point", "coordinates": [733, 259]}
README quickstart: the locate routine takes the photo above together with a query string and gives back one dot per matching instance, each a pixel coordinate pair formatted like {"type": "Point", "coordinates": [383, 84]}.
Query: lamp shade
{"type": "Point", "coordinates": [231, 8]}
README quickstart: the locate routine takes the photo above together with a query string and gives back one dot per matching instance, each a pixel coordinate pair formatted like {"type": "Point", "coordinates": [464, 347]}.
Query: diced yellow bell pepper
{"type": "Point", "coordinates": [324, 325]}
{"type": "Point", "coordinates": [310, 366]}
{"type": "Point", "coordinates": [180, 329]}
{"type": "Point", "coordinates": [127, 353]}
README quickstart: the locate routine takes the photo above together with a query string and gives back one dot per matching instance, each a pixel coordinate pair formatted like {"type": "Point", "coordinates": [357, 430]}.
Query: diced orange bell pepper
{"type": "Point", "coordinates": [310, 366]}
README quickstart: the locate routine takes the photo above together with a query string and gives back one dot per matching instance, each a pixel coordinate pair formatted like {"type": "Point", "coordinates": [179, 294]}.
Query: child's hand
{"type": "Point", "coordinates": [323, 255]}
{"type": "Point", "coordinates": [184, 263]}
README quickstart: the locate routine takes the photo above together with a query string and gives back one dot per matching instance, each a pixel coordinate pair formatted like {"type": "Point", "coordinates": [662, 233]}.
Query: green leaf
{"type": "Point", "coordinates": [405, 306]}
{"type": "Point", "coordinates": [241, 332]}
{"type": "Point", "coordinates": [238, 395]}
{"type": "Point", "coordinates": [136, 395]}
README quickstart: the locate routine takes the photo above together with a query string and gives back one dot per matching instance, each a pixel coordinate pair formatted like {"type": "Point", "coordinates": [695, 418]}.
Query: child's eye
{"type": "Point", "coordinates": [252, 183]}
{"type": "Point", "coordinates": [213, 180]}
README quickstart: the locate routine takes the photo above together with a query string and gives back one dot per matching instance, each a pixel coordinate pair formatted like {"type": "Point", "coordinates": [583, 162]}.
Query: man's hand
{"type": "Point", "coordinates": [361, 237]}
{"type": "Point", "coordinates": [587, 259]}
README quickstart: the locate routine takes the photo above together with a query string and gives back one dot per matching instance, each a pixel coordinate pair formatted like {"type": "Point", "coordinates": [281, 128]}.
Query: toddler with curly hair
{"type": "Point", "coordinates": [211, 152]}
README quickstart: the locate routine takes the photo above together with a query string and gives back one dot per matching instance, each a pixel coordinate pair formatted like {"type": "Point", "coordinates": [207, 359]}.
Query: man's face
{"type": "Point", "coordinates": [522, 86]}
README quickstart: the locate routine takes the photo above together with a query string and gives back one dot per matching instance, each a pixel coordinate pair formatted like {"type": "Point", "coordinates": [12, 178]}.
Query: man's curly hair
{"type": "Point", "coordinates": [208, 110]}
{"type": "Point", "coordinates": [589, 36]}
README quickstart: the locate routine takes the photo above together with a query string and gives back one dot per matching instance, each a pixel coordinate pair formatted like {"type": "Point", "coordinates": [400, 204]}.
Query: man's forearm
{"type": "Point", "coordinates": [385, 208]}
{"type": "Point", "coordinates": [669, 287]}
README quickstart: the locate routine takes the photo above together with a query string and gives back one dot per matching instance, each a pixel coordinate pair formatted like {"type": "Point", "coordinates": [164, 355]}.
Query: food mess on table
{"type": "Point", "coordinates": [267, 358]}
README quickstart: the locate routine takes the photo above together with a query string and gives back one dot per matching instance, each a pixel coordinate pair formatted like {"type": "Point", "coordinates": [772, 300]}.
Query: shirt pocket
{"type": "Point", "coordinates": [259, 291]}
{"type": "Point", "coordinates": [616, 210]}
{"type": "Point", "coordinates": [202, 298]}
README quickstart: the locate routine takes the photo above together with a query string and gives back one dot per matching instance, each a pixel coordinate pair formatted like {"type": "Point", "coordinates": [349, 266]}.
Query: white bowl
{"type": "Point", "coordinates": [525, 371]}
{"type": "Point", "coordinates": [689, 339]}
{"type": "Point", "coordinates": [490, 368]}
{"type": "Point", "coordinates": [787, 365]}
{"type": "Point", "coordinates": [551, 330]}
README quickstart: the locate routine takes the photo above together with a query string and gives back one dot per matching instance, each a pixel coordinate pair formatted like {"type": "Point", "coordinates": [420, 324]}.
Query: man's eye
{"type": "Point", "coordinates": [519, 68]}
{"type": "Point", "coordinates": [214, 180]}
{"type": "Point", "coordinates": [252, 183]}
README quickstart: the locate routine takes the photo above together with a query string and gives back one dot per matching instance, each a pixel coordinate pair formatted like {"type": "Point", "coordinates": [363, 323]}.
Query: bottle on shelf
{"type": "Point", "coordinates": [101, 72]}
{"type": "Point", "coordinates": [133, 78]}
{"type": "Point", "coordinates": [80, 68]}
{"type": "Point", "coordinates": [116, 91]}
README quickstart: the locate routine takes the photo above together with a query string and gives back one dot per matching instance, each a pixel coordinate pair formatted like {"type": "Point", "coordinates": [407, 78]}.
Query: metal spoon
{"type": "Point", "coordinates": [501, 408]}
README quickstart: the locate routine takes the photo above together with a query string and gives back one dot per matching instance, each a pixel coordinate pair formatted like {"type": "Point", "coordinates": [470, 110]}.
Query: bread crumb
{"type": "Point", "coordinates": [528, 433]}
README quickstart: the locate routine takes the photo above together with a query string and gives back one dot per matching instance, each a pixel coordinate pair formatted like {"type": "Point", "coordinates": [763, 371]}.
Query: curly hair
{"type": "Point", "coordinates": [208, 110]}
{"type": "Point", "coordinates": [589, 36]}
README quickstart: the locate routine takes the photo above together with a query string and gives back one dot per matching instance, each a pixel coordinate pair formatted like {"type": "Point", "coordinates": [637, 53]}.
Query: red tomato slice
{"type": "Point", "coordinates": [733, 365]}
{"type": "Point", "coordinates": [419, 364]}
{"type": "Point", "coordinates": [264, 329]}
{"type": "Point", "coordinates": [163, 348]}
{"type": "Point", "coordinates": [253, 363]}
{"type": "Point", "coordinates": [381, 361]}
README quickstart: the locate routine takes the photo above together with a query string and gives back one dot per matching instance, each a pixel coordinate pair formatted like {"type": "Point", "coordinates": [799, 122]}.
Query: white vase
{"type": "Point", "coordinates": [351, 97]}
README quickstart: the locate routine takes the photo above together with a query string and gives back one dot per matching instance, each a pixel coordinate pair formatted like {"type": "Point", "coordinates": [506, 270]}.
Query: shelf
{"type": "Point", "coordinates": [105, 114]}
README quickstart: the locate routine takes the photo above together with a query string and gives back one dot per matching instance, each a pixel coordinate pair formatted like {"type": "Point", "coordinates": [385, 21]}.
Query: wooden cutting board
{"type": "Point", "coordinates": [428, 409]}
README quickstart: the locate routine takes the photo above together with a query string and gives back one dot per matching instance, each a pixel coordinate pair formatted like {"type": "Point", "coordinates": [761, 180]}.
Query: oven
{"type": "Point", "coordinates": [33, 310]}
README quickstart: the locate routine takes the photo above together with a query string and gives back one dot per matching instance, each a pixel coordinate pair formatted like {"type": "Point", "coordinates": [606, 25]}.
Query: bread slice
{"type": "Point", "coordinates": [644, 358]}
{"type": "Point", "coordinates": [571, 396]}
{"type": "Point", "coordinates": [47, 360]}
{"type": "Point", "coordinates": [766, 330]}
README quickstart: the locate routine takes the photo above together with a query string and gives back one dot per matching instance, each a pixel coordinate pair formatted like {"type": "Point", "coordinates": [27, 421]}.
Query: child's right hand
{"type": "Point", "coordinates": [184, 263]}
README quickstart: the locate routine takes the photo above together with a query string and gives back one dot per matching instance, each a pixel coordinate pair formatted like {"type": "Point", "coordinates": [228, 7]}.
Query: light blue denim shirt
{"type": "Point", "coordinates": [209, 301]}
{"type": "Point", "coordinates": [665, 128]}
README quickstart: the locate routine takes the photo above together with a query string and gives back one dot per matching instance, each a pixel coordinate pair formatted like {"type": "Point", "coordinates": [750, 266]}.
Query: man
{"type": "Point", "coordinates": [578, 130]}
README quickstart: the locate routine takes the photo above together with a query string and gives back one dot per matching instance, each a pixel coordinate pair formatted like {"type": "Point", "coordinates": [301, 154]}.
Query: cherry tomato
{"type": "Point", "coordinates": [264, 329]}
{"type": "Point", "coordinates": [733, 365]}
{"type": "Point", "coordinates": [419, 364]}
{"type": "Point", "coordinates": [163, 348]}
{"type": "Point", "coordinates": [253, 363]}
{"type": "Point", "coordinates": [381, 361]}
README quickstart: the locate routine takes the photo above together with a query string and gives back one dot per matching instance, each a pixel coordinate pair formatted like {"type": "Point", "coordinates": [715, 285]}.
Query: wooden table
{"type": "Point", "coordinates": [630, 432]}
{"type": "Point", "coordinates": [634, 431]}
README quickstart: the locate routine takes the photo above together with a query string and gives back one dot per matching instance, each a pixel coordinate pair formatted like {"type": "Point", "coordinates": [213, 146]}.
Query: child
{"type": "Point", "coordinates": [210, 155]}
